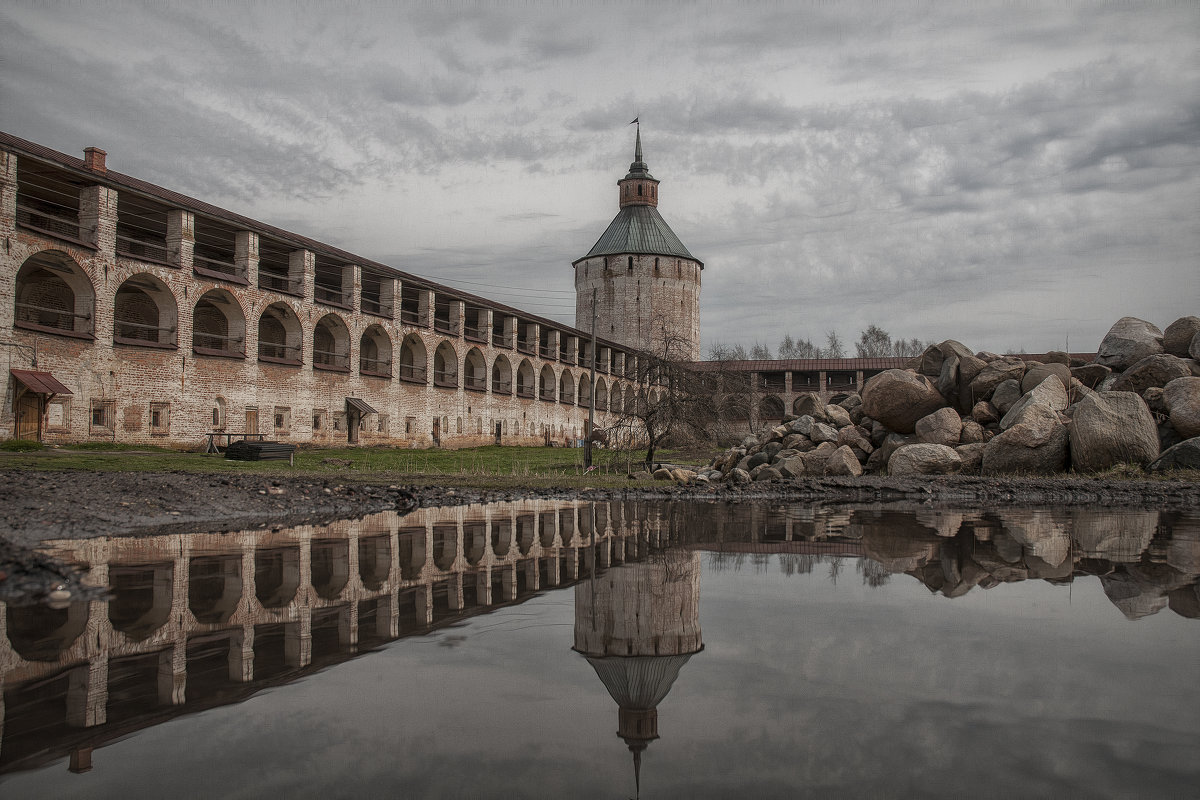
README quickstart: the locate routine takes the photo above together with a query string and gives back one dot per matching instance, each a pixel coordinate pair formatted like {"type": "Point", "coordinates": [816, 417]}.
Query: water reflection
{"type": "Point", "coordinates": [197, 621]}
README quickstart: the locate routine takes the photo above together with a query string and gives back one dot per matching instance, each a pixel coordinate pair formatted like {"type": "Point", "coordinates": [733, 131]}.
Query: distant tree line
{"type": "Point", "coordinates": [874, 342]}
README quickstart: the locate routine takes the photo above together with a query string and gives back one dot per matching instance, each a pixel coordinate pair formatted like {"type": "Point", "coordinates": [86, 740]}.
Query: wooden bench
{"type": "Point", "coordinates": [215, 437]}
{"type": "Point", "coordinates": [261, 451]}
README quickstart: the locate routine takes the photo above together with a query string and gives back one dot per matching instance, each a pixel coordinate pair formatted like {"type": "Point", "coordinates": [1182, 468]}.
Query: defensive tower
{"type": "Point", "coordinates": [646, 283]}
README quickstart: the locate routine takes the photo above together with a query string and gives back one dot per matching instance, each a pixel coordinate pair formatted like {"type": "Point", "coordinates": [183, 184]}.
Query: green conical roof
{"type": "Point", "coordinates": [639, 230]}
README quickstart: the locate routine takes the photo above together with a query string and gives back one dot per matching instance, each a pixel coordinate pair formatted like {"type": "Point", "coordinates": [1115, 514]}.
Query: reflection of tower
{"type": "Point", "coordinates": [637, 625]}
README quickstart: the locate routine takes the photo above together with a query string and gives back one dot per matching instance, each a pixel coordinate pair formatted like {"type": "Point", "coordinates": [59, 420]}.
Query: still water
{"type": "Point", "coordinates": [574, 649]}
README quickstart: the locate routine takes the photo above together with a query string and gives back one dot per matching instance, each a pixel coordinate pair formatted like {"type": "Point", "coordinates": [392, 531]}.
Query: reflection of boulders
{"type": "Point", "coordinates": [897, 541]}
{"type": "Point", "coordinates": [1141, 590]}
{"type": "Point", "coordinates": [1185, 601]}
{"type": "Point", "coordinates": [1120, 536]}
{"type": "Point", "coordinates": [1040, 533]}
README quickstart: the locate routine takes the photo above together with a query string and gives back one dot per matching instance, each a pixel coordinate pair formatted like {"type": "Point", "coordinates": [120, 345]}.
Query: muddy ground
{"type": "Point", "coordinates": [36, 506]}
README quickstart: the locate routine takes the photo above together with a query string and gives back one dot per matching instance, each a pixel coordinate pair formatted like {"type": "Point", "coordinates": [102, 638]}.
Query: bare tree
{"type": "Point", "coordinates": [874, 342]}
{"type": "Point", "coordinates": [833, 346]}
{"type": "Point", "coordinates": [676, 399]}
{"type": "Point", "coordinates": [760, 352]}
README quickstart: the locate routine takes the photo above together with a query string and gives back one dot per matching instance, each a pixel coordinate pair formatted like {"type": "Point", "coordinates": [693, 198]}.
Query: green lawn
{"type": "Point", "coordinates": [482, 466]}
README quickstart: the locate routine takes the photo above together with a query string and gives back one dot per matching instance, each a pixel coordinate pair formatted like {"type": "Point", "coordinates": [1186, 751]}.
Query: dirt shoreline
{"type": "Point", "coordinates": [38, 506]}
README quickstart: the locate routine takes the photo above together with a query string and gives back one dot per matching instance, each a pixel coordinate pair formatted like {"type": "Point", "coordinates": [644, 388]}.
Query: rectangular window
{"type": "Point", "coordinates": [283, 419]}
{"type": "Point", "coordinates": [381, 423]}
{"type": "Point", "coordinates": [160, 418]}
{"type": "Point", "coordinates": [318, 420]}
{"type": "Point", "coordinates": [103, 412]}
{"type": "Point", "coordinates": [339, 421]}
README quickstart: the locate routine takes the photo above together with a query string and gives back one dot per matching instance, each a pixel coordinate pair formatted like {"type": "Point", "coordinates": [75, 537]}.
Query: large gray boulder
{"type": "Point", "coordinates": [823, 433]}
{"type": "Point", "coordinates": [1179, 334]}
{"type": "Point", "coordinates": [898, 398]}
{"type": "Point", "coordinates": [1109, 428]}
{"type": "Point", "coordinates": [972, 457]}
{"type": "Point", "coordinates": [924, 459]}
{"type": "Point", "coordinates": [1156, 370]}
{"type": "Point", "coordinates": [842, 461]}
{"type": "Point", "coordinates": [1050, 392]}
{"type": "Point", "coordinates": [1194, 347]}
{"type": "Point", "coordinates": [1185, 455]}
{"type": "Point", "coordinates": [809, 403]}
{"type": "Point", "coordinates": [837, 416]}
{"type": "Point", "coordinates": [943, 426]}
{"type": "Point", "coordinates": [995, 373]}
{"type": "Point", "coordinates": [1182, 400]}
{"type": "Point", "coordinates": [1128, 341]}
{"type": "Point", "coordinates": [1036, 444]}
{"type": "Point", "coordinates": [1039, 372]}
{"type": "Point", "coordinates": [1006, 395]}
{"type": "Point", "coordinates": [1091, 375]}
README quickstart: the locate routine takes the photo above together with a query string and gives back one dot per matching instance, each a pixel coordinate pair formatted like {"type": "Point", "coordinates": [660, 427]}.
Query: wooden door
{"type": "Point", "coordinates": [251, 420]}
{"type": "Point", "coordinates": [29, 416]}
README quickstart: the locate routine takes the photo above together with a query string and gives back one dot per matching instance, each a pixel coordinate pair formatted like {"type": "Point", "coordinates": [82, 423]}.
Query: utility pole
{"type": "Point", "coordinates": [587, 442]}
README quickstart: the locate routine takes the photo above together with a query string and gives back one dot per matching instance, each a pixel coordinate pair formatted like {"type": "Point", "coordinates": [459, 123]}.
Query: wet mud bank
{"type": "Point", "coordinates": [38, 506]}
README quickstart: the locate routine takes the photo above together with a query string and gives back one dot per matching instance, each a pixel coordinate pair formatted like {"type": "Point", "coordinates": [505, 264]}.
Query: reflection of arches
{"type": "Point", "coordinates": [525, 379]}
{"type": "Point", "coordinates": [445, 366]}
{"type": "Point", "coordinates": [375, 352]}
{"type": "Point", "coordinates": [374, 561]}
{"type": "Point", "coordinates": [330, 567]}
{"type": "Point", "coordinates": [276, 576]}
{"type": "Point", "coordinates": [525, 533]}
{"type": "Point", "coordinates": [502, 531]}
{"type": "Point", "coordinates": [566, 387]}
{"type": "Point", "coordinates": [475, 370]}
{"type": "Point", "coordinates": [547, 383]}
{"type": "Point", "coordinates": [601, 395]}
{"type": "Point", "coordinates": [445, 546]}
{"type": "Point", "coordinates": [475, 542]}
{"type": "Point", "coordinates": [140, 602]}
{"type": "Point", "coordinates": [411, 544]}
{"type": "Point", "coordinates": [214, 587]}
{"type": "Point", "coordinates": [218, 325]}
{"type": "Point", "coordinates": [144, 312]}
{"type": "Point", "coordinates": [412, 359]}
{"type": "Point", "coordinates": [54, 294]}
{"type": "Point", "coordinates": [331, 344]}
{"type": "Point", "coordinates": [41, 633]}
{"type": "Point", "coordinates": [501, 376]}
{"type": "Point", "coordinates": [279, 335]}
{"type": "Point", "coordinates": [770, 408]}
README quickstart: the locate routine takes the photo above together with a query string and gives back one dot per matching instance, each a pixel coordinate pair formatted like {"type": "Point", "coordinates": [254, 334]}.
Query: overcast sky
{"type": "Point", "coordinates": [1006, 174]}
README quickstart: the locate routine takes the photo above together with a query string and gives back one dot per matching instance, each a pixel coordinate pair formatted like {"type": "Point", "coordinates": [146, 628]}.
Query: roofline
{"type": "Point", "coordinates": [24, 147]}
{"type": "Point", "coordinates": [575, 263]}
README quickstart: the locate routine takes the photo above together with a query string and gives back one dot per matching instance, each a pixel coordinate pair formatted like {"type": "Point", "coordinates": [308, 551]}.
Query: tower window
{"type": "Point", "coordinates": [639, 190]}
{"type": "Point", "coordinates": [630, 265]}
{"type": "Point", "coordinates": [656, 266]}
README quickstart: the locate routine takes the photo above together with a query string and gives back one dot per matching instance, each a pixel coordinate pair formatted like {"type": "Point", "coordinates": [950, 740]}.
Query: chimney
{"type": "Point", "coordinates": [93, 159]}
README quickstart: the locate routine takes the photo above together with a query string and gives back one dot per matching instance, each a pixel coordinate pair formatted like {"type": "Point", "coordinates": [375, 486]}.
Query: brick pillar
{"type": "Point", "coordinates": [8, 195]}
{"type": "Point", "coordinates": [181, 238]}
{"type": "Point", "coordinates": [241, 654]}
{"type": "Point", "coordinates": [297, 639]}
{"type": "Point", "coordinates": [245, 256]}
{"type": "Point", "coordinates": [533, 578]}
{"type": "Point", "coordinates": [98, 218]}
{"type": "Point", "coordinates": [302, 269]}
{"type": "Point", "coordinates": [425, 306]}
{"type": "Point", "coordinates": [352, 281]}
{"type": "Point", "coordinates": [483, 587]}
{"type": "Point", "coordinates": [348, 626]}
{"type": "Point", "coordinates": [508, 582]}
{"type": "Point", "coordinates": [457, 313]}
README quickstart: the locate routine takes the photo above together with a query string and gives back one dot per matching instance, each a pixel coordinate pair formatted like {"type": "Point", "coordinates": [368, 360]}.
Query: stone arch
{"type": "Point", "coordinates": [617, 399]}
{"type": "Point", "coordinates": [601, 395]}
{"type": "Point", "coordinates": [280, 335]}
{"type": "Point", "coordinates": [218, 325]}
{"type": "Point", "coordinates": [445, 367]}
{"type": "Point", "coordinates": [502, 376]}
{"type": "Point", "coordinates": [585, 390]}
{"type": "Point", "coordinates": [375, 352]}
{"type": "Point", "coordinates": [331, 344]}
{"type": "Point", "coordinates": [525, 379]}
{"type": "Point", "coordinates": [144, 312]}
{"type": "Point", "coordinates": [547, 383]}
{"type": "Point", "coordinates": [54, 295]}
{"type": "Point", "coordinates": [413, 359]}
{"type": "Point", "coordinates": [475, 370]}
{"type": "Point", "coordinates": [220, 407]}
{"type": "Point", "coordinates": [566, 386]}
{"type": "Point", "coordinates": [770, 408]}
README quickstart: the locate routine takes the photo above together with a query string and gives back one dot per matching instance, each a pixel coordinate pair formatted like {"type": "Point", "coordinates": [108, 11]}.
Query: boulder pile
{"type": "Point", "coordinates": [951, 410]}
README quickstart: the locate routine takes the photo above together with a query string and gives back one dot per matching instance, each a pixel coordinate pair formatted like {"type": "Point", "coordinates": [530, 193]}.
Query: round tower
{"type": "Point", "coordinates": [646, 283]}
